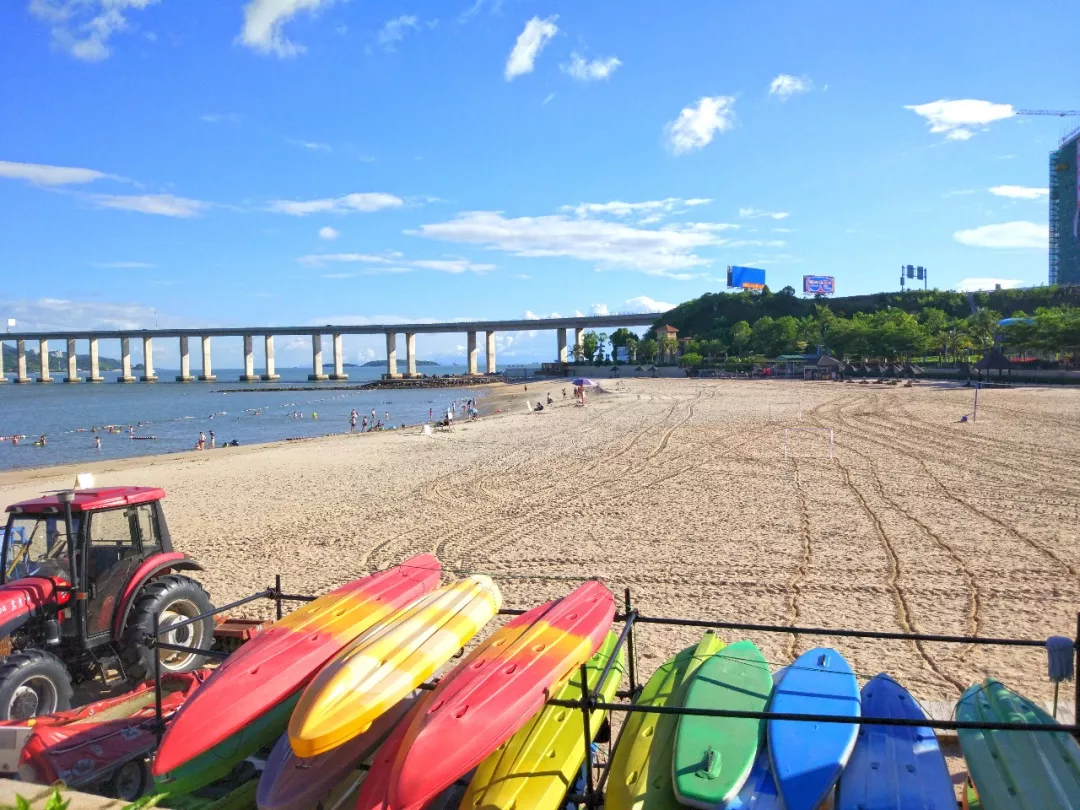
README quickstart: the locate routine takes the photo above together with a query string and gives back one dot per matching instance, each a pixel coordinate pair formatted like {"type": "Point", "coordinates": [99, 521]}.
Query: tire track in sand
{"type": "Point", "coordinates": [799, 575]}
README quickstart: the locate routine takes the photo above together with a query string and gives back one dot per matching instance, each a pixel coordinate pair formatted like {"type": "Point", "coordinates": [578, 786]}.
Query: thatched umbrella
{"type": "Point", "coordinates": [994, 359]}
{"type": "Point", "coordinates": [897, 370]}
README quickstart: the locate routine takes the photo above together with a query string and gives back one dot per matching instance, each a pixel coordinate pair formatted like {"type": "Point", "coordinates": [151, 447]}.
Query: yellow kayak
{"type": "Point", "coordinates": [387, 662]}
{"type": "Point", "coordinates": [537, 766]}
{"type": "Point", "coordinates": [640, 775]}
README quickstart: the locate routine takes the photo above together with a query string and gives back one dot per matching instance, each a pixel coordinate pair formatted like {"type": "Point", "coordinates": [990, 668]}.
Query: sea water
{"type": "Point", "coordinates": [176, 412]}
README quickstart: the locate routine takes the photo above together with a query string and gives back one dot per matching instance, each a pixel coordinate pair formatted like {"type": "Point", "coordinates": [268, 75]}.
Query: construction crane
{"type": "Point", "coordinates": [1058, 113]}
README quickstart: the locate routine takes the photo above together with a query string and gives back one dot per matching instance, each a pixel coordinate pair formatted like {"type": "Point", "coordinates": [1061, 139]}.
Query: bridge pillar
{"type": "Point", "coordinates": [339, 369]}
{"type": "Point", "coordinates": [316, 374]}
{"type": "Point", "coordinates": [268, 345]}
{"type": "Point", "coordinates": [391, 355]}
{"type": "Point", "coordinates": [72, 363]}
{"type": "Point", "coordinates": [46, 375]}
{"type": "Point", "coordinates": [472, 353]}
{"type": "Point", "coordinates": [561, 356]}
{"type": "Point", "coordinates": [148, 374]}
{"type": "Point", "coordinates": [410, 354]}
{"type": "Point", "coordinates": [579, 340]}
{"type": "Point", "coordinates": [95, 366]}
{"type": "Point", "coordinates": [185, 362]}
{"type": "Point", "coordinates": [249, 374]}
{"type": "Point", "coordinates": [20, 368]}
{"type": "Point", "coordinates": [489, 354]}
{"type": "Point", "coordinates": [207, 363]}
{"type": "Point", "coordinates": [125, 361]}
{"type": "Point", "coordinates": [3, 374]}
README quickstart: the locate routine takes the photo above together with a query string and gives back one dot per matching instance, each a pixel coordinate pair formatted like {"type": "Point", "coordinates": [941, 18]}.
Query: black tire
{"type": "Point", "coordinates": [131, 781]}
{"type": "Point", "coordinates": [169, 596]}
{"type": "Point", "coordinates": [32, 683]}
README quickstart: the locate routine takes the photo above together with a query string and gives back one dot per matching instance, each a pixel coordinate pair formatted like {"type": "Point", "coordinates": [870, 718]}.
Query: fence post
{"type": "Point", "coordinates": [630, 668]}
{"type": "Point", "coordinates": [159, 726]}
{"type": "Point", "coordinates": [277, 594]}
{"type": "Point", "coordinates": [585, 705]}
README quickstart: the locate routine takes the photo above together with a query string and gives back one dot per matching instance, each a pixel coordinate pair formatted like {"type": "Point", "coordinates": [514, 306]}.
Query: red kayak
{"type": "Point", "coordinates": [84, 746]}
{"type": "Point", "coordinates": [486, 698]}
{"type": "Point", "coordinates": [279, 662]}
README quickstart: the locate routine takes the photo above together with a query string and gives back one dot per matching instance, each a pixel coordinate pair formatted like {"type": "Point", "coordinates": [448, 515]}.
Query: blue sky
{"type": "Point", "coordinates": [311, 161]}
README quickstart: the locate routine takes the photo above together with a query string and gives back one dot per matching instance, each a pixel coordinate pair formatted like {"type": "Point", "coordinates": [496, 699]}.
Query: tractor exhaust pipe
{"type": "Point", "coordinates": [79, 593]}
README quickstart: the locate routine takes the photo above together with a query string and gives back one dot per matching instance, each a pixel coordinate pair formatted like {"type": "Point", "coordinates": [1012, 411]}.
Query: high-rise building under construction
{"type": "Point", "coordinates": [1065, 212]}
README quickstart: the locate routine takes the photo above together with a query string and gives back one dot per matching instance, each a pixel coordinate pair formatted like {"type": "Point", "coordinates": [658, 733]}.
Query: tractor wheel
{"type": "Point", "coordinates": [33, 682]}
{"type": "Point", "coordinates": [174, 599]}
{"type": "Point", "coordinates": [131, 781]}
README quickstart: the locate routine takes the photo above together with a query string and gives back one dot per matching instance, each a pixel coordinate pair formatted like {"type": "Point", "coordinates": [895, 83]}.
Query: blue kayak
{"type": "Point", "coordinates": [894, 767]}
{"type": "Point", "coordinates": [807, 757]}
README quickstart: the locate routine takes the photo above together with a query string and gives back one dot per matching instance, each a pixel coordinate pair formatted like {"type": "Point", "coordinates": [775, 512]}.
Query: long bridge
{"type": "Point", "coordinates": [471, 328]}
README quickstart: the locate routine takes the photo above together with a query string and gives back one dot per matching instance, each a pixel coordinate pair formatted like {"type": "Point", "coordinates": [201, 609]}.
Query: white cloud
{"type": "Point", "coordinates": [783, 230]}
{"type": "Point", "coordinates": [365, 202]}
{"type": "Point", "coordinates": [536, 34]}
{"type": "Point", "coordinates": [955, 117]}
{"type": "Point", "coordinates": [976, 284]}
{"type": "Point", "coordinates": [710, 226]}
{"type": "Point", "coordinates": [393, 31]}
{"type": "Point", "coordinates": [610, 245]}
{"type": "Point", "coordinates": [45, 314]}
{"type": "Point", "coordinates": [622, 209]}
{"type": "Point", "coordinates": [785, 86]}
{"type": "Point", "coordinates": [754, 213]}
{"type": "Point", "coordinates": [1020, 192]}
{"type": "Point", "coordinates": [124, 265]}
{"type": "Point", "coordinates": [1006, 235]}
{"type": "Point", "coordinates": [584, 70]}
{"type": "Point", "coordinates": [328, 233]}
{"type": "Point", "coordinates": [217, 118]}
{"type": "Point", "coordinates": [452, 265]}
{"type": "Point", "coordinates": [42, 175]}
{"type": "Point", "coordinates": [698, 124]}
{"type": "Point", "coordinates": [643, 303]}
{"type": "Point", "coordinates": [600, 309]}
{"type": "Point", "coordinates": [264, 23]}
{"type": "Point", "coordinates": [83, 27]}
{"type": "Point", "coordinates": [166, 205]}
{"type": "Point", "coordinates": [314, 146]}
{"type": "Point", "coordinates": [547, 99]}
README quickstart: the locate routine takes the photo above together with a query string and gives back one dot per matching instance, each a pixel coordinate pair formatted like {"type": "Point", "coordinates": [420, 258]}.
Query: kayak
{"type": "Point", "coordinates": [712, 756]}
{"type": "Point", "coordinates": [894, 767]}
{"type": "Point", "coordinates": [481, 703]}
{"type": "Point", "coordinates": [276, 664]}
{"type": "Point", "coordinates": [1018, 770]}
{"type": "Point", "coordinates": [640, 775]}
{"type": "Point", "coordinates": [384, 664]}
{"type": "Point", "coordinates": [291, 783]}
{"type": "Point", "coordinates": [84, 747]}
{"type": "Point", "coordinates": [807, 757]}
{"type": "Point", "coordinates": [537, 766]}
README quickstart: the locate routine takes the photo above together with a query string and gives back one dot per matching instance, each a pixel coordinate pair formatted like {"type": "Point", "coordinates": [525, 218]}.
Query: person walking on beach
{"type": "Point", "coordinates": [352, 422]}
{"type": "Point", "coordinates": [431, 414]}
{"type": "Point", "coordinates": [213, 439]}
{"type": "Point", "coordinates": [97, 442]}
{"type": "Point", "coordinates": [202, 440]}
{"type": "Point", "coordinates": [372, 416]}
{"type": "Point", "coordinates": [363, 425]}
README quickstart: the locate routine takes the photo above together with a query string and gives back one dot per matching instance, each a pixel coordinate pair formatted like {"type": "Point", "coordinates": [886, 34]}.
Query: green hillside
{"type": "Point", "coordinates": [57, 363]}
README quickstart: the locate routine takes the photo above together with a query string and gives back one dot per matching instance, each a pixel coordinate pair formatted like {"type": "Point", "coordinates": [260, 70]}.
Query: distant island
{"type": "Point", "coordinates": [380, 363]}
{"type": "Point", "coordinates": [57, 361]}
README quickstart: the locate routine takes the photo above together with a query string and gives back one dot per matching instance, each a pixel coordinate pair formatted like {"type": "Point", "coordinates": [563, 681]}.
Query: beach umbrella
{"type": "Point", "coordinates": [583, 381]}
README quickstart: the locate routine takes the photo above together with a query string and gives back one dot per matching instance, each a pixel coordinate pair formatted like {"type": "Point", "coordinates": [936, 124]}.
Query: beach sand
{"type": "Point", "coordinates": [680, 490]}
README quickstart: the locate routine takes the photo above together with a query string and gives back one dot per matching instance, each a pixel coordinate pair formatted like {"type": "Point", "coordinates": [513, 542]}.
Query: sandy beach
{"type": "Point", "coordinates": [680, 490]}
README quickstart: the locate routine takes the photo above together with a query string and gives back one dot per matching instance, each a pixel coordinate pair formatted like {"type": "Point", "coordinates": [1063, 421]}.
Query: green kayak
{"type": "Point", "coordinates": [640, 775]}
{"type": "Point", "coordinates": [713, 755]}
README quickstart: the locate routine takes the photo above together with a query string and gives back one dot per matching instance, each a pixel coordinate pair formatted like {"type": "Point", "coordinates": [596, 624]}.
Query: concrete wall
{"type": "Point", "coordinates": [38, 795]}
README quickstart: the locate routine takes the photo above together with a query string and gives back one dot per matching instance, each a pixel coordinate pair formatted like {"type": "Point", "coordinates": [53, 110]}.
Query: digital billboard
{"type": "Point", "coordinates": [1065, 212]}
{"type": "Point", "coordinates": [818, 285]}
{"type": "Point", "coordinates": [746, 278]}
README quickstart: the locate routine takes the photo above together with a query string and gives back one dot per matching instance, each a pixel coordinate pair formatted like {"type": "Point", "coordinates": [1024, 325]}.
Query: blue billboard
{"type": "Point", "coordinates": [746, 278]}
{"type": "Point", "coordinates": [818, 285]}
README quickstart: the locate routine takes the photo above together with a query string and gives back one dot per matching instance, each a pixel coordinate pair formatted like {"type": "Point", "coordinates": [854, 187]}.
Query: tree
{"type": "Point", "coordinates": [982, 324]}
{"type": "Point", "coordinates": [601, 340]}
{"type": "Point", "coordinates": [669, 347]}
{"type": "Point", "coordinates": [590, 342]}
{"type": "Point", "coordinates": [691, 360]}
{"type": "Point", "coordinates": [741, 335]}
{"type": "Point", "coordinates": [631, 348]}
{"type": "Point", "coordinates": [620, 339]}
{"type": "Point", "coordinates": [647, 350]}
{"type": "Point", "coordinates": [579, 353]}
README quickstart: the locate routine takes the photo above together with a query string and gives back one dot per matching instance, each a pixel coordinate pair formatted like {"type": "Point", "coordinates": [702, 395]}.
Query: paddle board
{"type": "Point", "coordinates": [537, 766]}
{"type": "Point", "coordinates": [1019, 770]}
{"type": "Point", "coordinates": [276, 664]}
{"type": "Point", "coordinates": [479, 704]}
{"type": "Point", "coordinates": [712, 756]}
{"type": "Point", "coordinates": [640, 775]}
{"type": "Point", "coordinates": [759, 790]}
{"type": "Point", "coordinates": [807, 757]}
{"type": "Point", "coordinates": [387, 662]}
{"type": "Point", "coordinates": [894, 767]}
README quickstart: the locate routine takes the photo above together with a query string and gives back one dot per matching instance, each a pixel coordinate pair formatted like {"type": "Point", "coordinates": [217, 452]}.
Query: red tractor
{"type": "Point", "coordinates": [82, 574]}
